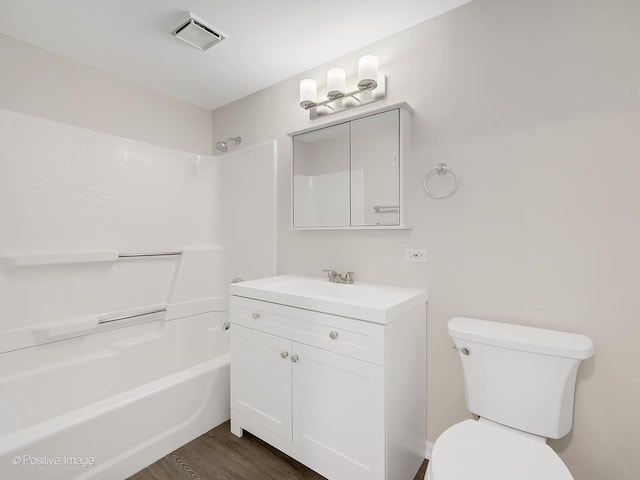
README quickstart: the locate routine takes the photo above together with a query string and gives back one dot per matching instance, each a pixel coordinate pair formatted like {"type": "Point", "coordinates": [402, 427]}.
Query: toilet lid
{"type": "Point", "coordinates": [476, 450]}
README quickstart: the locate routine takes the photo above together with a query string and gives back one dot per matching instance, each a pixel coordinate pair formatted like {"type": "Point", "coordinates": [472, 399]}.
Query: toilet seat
{"type": "Point", "coordinates": [479, 451]}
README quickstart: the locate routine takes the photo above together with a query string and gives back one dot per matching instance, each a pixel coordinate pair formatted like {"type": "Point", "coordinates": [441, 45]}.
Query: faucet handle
{"type": "Point", "coordinates": [348, 278]}
{"type": "Point", "coordinates": [332, 274]}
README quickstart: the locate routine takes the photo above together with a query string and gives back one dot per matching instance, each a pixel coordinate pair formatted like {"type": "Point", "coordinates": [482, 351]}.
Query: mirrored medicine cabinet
{"type": "Point", "coordinates": [348, 174]}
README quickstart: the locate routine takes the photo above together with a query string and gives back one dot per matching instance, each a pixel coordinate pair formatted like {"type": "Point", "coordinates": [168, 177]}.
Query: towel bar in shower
{"type": "Point", "coordinates": [85, 324]}
{"type": "Point", "coordinates": [133, 315]}
{"type": "Point", "coordinates": [153, 254]}
{"type": "Point", "coordinates": [14, 260]}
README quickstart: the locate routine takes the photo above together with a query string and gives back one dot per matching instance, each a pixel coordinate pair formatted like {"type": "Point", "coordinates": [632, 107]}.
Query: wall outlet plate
{"type": "Point", "coordinates": [415, 255]}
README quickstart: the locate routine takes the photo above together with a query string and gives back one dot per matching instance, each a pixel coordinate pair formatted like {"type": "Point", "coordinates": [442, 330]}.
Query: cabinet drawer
{"type": "Point", "coordinates": [347, 336]}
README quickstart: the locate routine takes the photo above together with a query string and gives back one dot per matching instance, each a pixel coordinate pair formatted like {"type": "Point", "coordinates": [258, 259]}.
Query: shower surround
{"type": "Point", "coordinates": [108, 360]}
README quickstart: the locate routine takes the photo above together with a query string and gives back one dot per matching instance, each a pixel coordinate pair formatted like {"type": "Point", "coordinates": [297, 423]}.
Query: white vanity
{"type": "Point", "coordinates": [333, 375]}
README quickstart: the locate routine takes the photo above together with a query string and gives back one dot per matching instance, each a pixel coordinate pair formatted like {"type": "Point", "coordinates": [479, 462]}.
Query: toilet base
{"type": "Point", "coordinates": [427, 475]}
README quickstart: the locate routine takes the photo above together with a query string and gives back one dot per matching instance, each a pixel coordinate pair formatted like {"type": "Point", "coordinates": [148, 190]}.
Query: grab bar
{"type": "Point", "coordinates": [135, 315]}
{"type": "Point", "coordinates": [15, 260]}
{"type": "Point", "coordinates": [380, 208]}
{"type": "Point", "coordinates": [156, 254]}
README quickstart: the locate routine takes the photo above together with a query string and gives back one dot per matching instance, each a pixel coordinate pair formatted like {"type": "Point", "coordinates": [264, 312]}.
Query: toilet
{"type": "Point", "coordinates": [520, 382]}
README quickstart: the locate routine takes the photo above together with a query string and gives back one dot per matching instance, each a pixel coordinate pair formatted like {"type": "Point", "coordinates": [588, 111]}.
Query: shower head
{"type": "Point", "coordinates": [222, 146]}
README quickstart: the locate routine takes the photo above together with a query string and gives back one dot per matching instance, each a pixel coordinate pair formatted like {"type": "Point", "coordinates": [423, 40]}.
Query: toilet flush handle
{"type": "Point", "coordinates": [463, 350]}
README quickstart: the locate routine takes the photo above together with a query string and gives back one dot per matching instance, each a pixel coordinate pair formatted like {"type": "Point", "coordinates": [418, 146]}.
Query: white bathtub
{"type": "Point", "coordinates": [106, 405]}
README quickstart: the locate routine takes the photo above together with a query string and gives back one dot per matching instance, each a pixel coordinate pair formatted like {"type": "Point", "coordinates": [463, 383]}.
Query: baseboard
{"type": "Point", "coordinates": [428, 451]}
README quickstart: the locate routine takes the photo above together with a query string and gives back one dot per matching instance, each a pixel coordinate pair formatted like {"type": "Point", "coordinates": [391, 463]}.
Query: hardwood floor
{"type": "Point", "coordinates": [220, 455]}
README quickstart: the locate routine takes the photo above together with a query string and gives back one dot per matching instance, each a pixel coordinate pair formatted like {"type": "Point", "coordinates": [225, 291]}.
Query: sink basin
{"type": "Point", "coordinates": [365, 301]}
{"type": "Point", "coordinates": [322, 288]}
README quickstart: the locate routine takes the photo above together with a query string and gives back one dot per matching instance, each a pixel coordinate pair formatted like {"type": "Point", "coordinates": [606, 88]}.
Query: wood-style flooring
{"type": "Point", "coordinates": [220, 455]}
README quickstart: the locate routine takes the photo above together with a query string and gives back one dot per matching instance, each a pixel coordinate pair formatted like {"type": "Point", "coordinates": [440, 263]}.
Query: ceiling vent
{"type": "Point", "coordinates": [196, 32]}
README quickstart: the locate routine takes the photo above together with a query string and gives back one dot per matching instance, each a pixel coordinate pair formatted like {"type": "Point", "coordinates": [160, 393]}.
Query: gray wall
{"type": "Point", "coordinates": [42, 84]}
{"type": "Point", "coordinates": [536, 105]}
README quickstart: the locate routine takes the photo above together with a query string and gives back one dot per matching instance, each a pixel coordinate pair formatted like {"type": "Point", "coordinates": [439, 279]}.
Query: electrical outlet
{"type": "Point", "coordinates": [415, 255]}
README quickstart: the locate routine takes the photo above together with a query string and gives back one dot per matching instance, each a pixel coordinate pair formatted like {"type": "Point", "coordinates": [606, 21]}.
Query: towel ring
{"type": "Point", "coordinates": [441, 170]}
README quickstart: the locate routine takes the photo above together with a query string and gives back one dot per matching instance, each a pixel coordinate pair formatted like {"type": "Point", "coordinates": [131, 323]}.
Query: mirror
{"type": "Point", "coordinates": [321, 181]}
{"type": "Point", "coordinates": [348, 175]}
{"type": "Point", "coordinates": [375, 170]}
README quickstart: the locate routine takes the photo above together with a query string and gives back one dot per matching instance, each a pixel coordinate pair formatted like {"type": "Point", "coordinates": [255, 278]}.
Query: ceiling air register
{"type": "Point", "coordinates": [196, 32]}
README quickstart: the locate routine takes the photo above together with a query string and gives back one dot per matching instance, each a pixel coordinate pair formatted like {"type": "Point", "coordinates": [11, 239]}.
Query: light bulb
{"type": "Point", "coordinates": [308, 93]}
{"type": "Point", "coordinates": [336, 82]}
{"type": "Point", "coordinates": [368, 72]}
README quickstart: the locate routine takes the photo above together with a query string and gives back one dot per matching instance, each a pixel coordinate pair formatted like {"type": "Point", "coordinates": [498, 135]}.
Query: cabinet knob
{"type": "Point", "coordinates": [333, 335]}
{"type": "Point", "coordinates": [255, 315]}
{"type": "Point", "coordinates": [294, 358]}
{"type": "Point", "coordinates": [284, 354]}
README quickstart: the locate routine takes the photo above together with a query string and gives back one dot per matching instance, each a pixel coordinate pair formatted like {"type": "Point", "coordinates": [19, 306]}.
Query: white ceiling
{"type": "Point", "coordinates": [268, 40]}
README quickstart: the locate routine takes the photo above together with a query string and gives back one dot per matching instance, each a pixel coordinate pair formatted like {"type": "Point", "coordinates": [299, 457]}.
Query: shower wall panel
{"type": "Point", "coordinates": [71, 200]}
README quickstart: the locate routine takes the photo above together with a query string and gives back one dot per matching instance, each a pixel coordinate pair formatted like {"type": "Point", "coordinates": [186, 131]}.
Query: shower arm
{"type": "Point", "coordinates": [222, 146]}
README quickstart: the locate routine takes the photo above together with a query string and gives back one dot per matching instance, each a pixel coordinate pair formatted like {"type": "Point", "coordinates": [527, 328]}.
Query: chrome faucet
{"type": "Point", "coordinates": [332, 274]}
{"type": "Point", "coordinates": [335, 277]}
{"type": "Point", "coordinates": [348, 278]}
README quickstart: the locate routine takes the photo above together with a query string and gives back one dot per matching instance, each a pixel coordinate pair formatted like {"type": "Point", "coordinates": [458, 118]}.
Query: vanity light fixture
{"type": "Point", "coordinates": [370, 87]}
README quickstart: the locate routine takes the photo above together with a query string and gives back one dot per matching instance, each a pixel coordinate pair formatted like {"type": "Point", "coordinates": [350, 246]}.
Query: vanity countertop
{"type": "Point", "coordinates": [366, 301]}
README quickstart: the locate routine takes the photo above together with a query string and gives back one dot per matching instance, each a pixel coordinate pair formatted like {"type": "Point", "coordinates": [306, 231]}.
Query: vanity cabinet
{"type": "Point", "coordinates": [342, 395]}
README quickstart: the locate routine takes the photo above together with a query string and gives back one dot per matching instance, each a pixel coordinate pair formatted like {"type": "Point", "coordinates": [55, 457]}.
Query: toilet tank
{"type": "Point", "coordinates": [521, 377]}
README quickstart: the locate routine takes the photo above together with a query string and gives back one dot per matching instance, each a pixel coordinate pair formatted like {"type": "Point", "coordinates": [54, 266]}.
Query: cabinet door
{"type": "Point", "coordinates": [321, 177]}
{"type": "Point", "coordinates": [375, 169]}
{"type": "Point", "coordinates": [261, 378]}
{"type": "Point", "coordinates": [338, 411]}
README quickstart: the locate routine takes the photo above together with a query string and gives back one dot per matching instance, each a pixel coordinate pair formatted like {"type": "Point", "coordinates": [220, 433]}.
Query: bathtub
{"type": "Point", "coordinates": [106, 405]}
